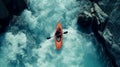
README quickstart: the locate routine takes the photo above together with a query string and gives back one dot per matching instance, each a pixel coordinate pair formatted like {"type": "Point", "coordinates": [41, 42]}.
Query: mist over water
{"type": "Point", "coordinates": [25, 43]}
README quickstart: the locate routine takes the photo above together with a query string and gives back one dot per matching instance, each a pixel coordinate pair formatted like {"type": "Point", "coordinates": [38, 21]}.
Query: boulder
{"type": "Point", "coordinates": [9, 8]}
{"type": "Point", "coordinates": [15, 7]}
{"type": "Point", "coordinates": [84, 22]}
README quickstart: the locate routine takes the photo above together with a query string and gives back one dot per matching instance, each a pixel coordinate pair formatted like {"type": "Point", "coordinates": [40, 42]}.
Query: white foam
{"type": "Point", "coordinates": [28, 65]}
{"type": "Point", "coordinates": [15, 43]}
{"type": "Point", "coordinates": [71, 55]}
{"type": "Point", "coordinates": [29, 18]}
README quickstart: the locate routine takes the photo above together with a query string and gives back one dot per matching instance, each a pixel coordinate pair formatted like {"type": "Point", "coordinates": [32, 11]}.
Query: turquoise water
{"type": "Point", "coordinates": [25, 43]}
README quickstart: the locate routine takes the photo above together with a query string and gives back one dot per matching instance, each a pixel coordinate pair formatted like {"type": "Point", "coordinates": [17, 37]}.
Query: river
{"type": "Point", "coordinates": [24, 44]}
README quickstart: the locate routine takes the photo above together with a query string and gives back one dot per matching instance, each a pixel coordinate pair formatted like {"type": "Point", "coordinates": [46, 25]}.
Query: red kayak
{"type": "Point", "coordinates": [58, 36]}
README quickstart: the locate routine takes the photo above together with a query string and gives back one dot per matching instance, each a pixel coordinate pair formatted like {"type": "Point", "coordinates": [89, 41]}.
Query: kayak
{"type": "Point", "coordinates": [58, 36]}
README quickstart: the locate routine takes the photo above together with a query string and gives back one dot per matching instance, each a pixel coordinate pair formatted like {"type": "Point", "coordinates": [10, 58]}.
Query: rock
{"type": "Point", "coordinates": [95, 25]}
{"type": "Point", "coordinates": [96, 1]}
{"type": "Point", "coordinates": [15, 7]}
{"type": "Point", "coordinates": [84, 22]}
{"type": "Point", "coordinates": [9, 8]}
{"type": "Point", "coordinates": [109, 36]}
{"type": "Point", "coordinates": [4, 16]}
{"type": "Point", "coordinates": [95, 22]}
{"type": "Point", "coordinates": [112, 33]}
{"type": "Point", "coordinates": [4, 23]}
{"type": "Point", "coordinates": [105, 30]}
{"type": "Point", "coordinates": [114, 24]}
{"type": "Point", "coordinates": [3, 10]}
{"type": "Point", "coordinates": [101, 17]}
{"type": "Point", "coordinates": [107, 47]}
{"type": "Point", "coordinates": [107, 5]}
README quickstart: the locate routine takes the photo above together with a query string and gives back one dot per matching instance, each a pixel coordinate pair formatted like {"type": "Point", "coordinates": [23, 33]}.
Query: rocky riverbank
{"type": "Point", "coordinates": [104, 21]}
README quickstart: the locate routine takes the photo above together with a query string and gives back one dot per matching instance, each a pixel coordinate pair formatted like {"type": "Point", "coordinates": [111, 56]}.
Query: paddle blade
{"type": "Point", "coordinates": [48, 37]}
{"type": "Point", "coordinates": [65, 32]}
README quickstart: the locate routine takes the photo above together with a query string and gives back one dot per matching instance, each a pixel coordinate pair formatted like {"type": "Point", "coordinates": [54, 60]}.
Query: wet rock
{"type": "Point", "coordinates": [106, 45]}
{"type": "Point", "coordinates": [4, 16]}
{"type": "Point", "coordinates": [111, 33]}
{"type": "Point", "coordinates": [95, 20]}
{"type": "Point", "coordinates": [101, 17]}
{"type": "Point", "coordinates": [9, 8]}
{"type": "Point", "coordinates": [114, 24]}
{"type": "Point", "coordinates": [3, 10]}
{"type": "Point", "coordinates": [84, 22]}
{"type": "Point", "coordinates": [15, 7]}
{"type": "Point", "coordinates": [106, 31]}
{"type": "Point", "coordinates": [4, 22]}
{"type": "Point", "coordinates": [107, 5]}
{"type": "Point", "coordinates": [94, 1]}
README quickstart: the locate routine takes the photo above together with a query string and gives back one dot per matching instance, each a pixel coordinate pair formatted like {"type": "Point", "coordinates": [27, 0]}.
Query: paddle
{"type": "Point", "coordinates": [65, 32]}
{"type": "Point", "coordinates": [52, 36]}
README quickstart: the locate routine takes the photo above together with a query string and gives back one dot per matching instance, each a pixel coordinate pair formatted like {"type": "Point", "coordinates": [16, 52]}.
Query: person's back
{"type": "Point", "coordinates": [58, 35]}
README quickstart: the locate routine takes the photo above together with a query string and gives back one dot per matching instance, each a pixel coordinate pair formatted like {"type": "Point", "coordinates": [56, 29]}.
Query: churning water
{"type": "Point", "coordinates": [25, 43]}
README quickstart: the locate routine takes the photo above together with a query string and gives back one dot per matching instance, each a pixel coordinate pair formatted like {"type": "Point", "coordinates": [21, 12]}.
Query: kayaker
{"type": "Point", "coordinates": [58, 35]}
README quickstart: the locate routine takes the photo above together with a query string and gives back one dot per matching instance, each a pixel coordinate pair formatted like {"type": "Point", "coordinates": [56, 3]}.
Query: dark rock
{"type": "Point", "coordinates": [94, 1]}
{"type": "Point", "coordinates": [114, 24]}
{"type": "Point", "coordinates": [106, 31]}
{"type": "Point", "coordinates": [107, 48]}
{"type": "Point", "coordinates": [15, 7]}
{"type": "Point", "coordinates": [8, 8]}
{"type": "Point", "coordinates": [94, 21]}
{"type": "Point", "coordinates": [4, 23]}
{"type": "Point", "coordinates": [107, 5]}
{"type": "Point", "coordinates": [112, 33]}
{"type": "Point", "coordinates": [84, 22]}
{"type": "Point", "coordinates": [105, 44]}
{"type": "Point", "coordinates": [109, 36]}
{"type": "Point", "coordinates": [101, 17]}
{"type": "Point", "coordinates": [3, 10]}
{"type": "Point", "coordinates": [95, 25]}
{"type": "Point", "coordinates": [4, 16]}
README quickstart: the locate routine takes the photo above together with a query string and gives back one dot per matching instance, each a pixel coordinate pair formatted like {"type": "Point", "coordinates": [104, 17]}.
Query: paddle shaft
{"type": "Point", "coordinates": [53, 36]}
